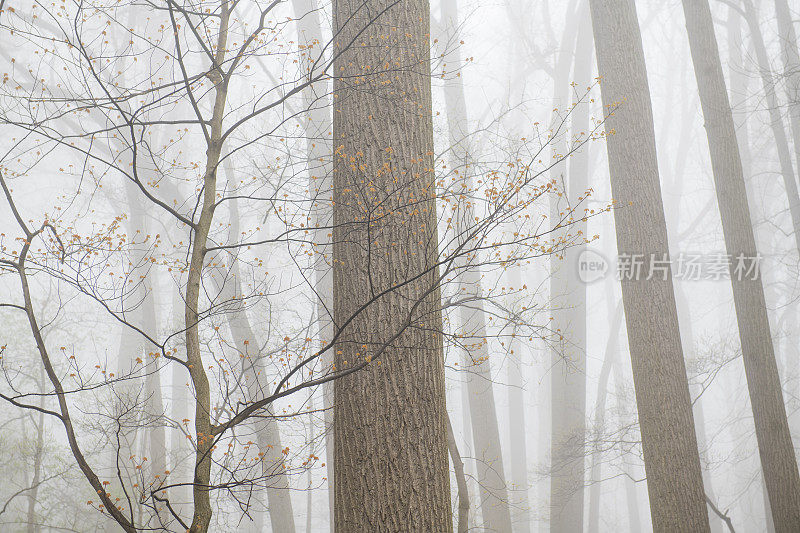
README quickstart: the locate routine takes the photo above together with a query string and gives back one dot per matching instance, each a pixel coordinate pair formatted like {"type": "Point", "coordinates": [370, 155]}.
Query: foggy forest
{"type": "Point", "coordinates": [390, 266]}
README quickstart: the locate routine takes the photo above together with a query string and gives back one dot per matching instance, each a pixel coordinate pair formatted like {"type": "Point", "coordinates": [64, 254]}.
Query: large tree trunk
{"type": "Point", "coordinates": [390, 420]}
{"type": "Point", "coordinates": [769, 413]}
{"type": "Point", "coordinates": [739, 96]}
{"type": "Point", "coordinates": [672, 461]}
{"type": "Point", "coordinates": [673, 210]}
{"type": "Point", "coordinates": [476, 361]}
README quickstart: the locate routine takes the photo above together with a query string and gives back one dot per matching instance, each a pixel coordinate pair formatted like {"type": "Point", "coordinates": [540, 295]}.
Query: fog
{"type": "Point", "coordinates": [399, 265]}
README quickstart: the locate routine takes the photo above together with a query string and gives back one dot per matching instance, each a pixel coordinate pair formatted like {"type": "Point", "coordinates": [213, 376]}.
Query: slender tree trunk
{"type": "Point", "coordinates": [631, 491]}
{"type": "Point", "coordinates": [266, 428]}
{"type": "Point", "coordinates": [390, 420]}
{"type": "Point", "coordinates": [791, 69]}
{"type": "Point", "coordinates": [518, 449]}
{"type": "Point", "coordinates": [596, 474]}
{"type": "Point", "coordinates": [566, 372]}
{"type": "Point", "coordinates": [769, 413]}
{"type": "Point", "coordinates": [569, 362]}
{"type": "Point", "coordinates": [155, 435]}
{"type": "Point", "coordinates": [477, 365]}
{"type": "Point", "coordinates": [672, 461]}
{"type": "Point", "coordinates": [180, 497]}
{"type": "Point", "coordinates": [317, 126]}
{"type": "Point", "coordinates": [461, 480]}
{"type": "Point", "coordinates": [38, 453]}
{"type": "Point", "coordinates": [202, 416]}
{"type": "Point", "coordinates": [775, 118]}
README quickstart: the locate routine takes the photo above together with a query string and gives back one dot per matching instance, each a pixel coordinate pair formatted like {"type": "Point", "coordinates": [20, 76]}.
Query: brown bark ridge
{"type": "Point", "coordinates": [669, 444]}
{"type": "Point", "coordinates": [763, 382]}
{"type": "Point", "coordinates": [390, 422]}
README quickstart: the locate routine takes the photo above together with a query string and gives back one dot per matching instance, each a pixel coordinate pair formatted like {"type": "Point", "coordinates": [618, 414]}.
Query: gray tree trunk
{"type": "Point", "coordinates": [144, 315]}
{"type": "Point", "coordinates": [518, 448]}
{"type": "Point", "coordinates": [317, 126]}
{"type": "Point", "coordinates": [791, 69]}
{"type": "Point", "coordinates": [461, 480]}
{"type": "Point", "coordinates": [775, 118]}
{"type": "Point", "coordinates": [672, 461]}
{"type": "Point", "coordinates": [568, 390]}
{"type": "Point", "coordinates": [596, 472]}
{"type": "Point", "coordinates": [477, 367]}
{"type": "Point", "coordinates": [769, 413]}
{"type": "Point", "coordinates": [268, 438]}
{"type": "Point", "coordinates": [390, 421]}
{"type": "Point", "coordinates": [567, 354]}
{"type": "Point", "coordinates": [739, 96]}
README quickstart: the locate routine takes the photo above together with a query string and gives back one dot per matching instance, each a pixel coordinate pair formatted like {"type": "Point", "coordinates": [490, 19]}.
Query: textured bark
{"type": "Point", "coordinates": [672, 462]}
{"type": "Point", "coordinates": [739, 96]}
{"type": "Point", "coordinates": [476, 361]}
{"type": "Point", "coordinates": [775, 118]}
{"type": "Point", "coordinates": [390, 420]}
{"type": "Point", "coordinates": [673, 211]}
{"type": "Point", "coordinates": [763, 382]}
{"type": "Point", "coordinates": [568, 392]}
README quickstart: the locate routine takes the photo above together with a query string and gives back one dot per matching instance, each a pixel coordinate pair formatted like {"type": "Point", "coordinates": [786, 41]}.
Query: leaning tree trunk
{"type": "Point", "coordinates": [738, 99]}
{"type": "Point", "coordinates": [390, 420]}
{"type": "Point", "coordinates": [669, 444]}
{"type": "Point", "coordinates": [775, 447]}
